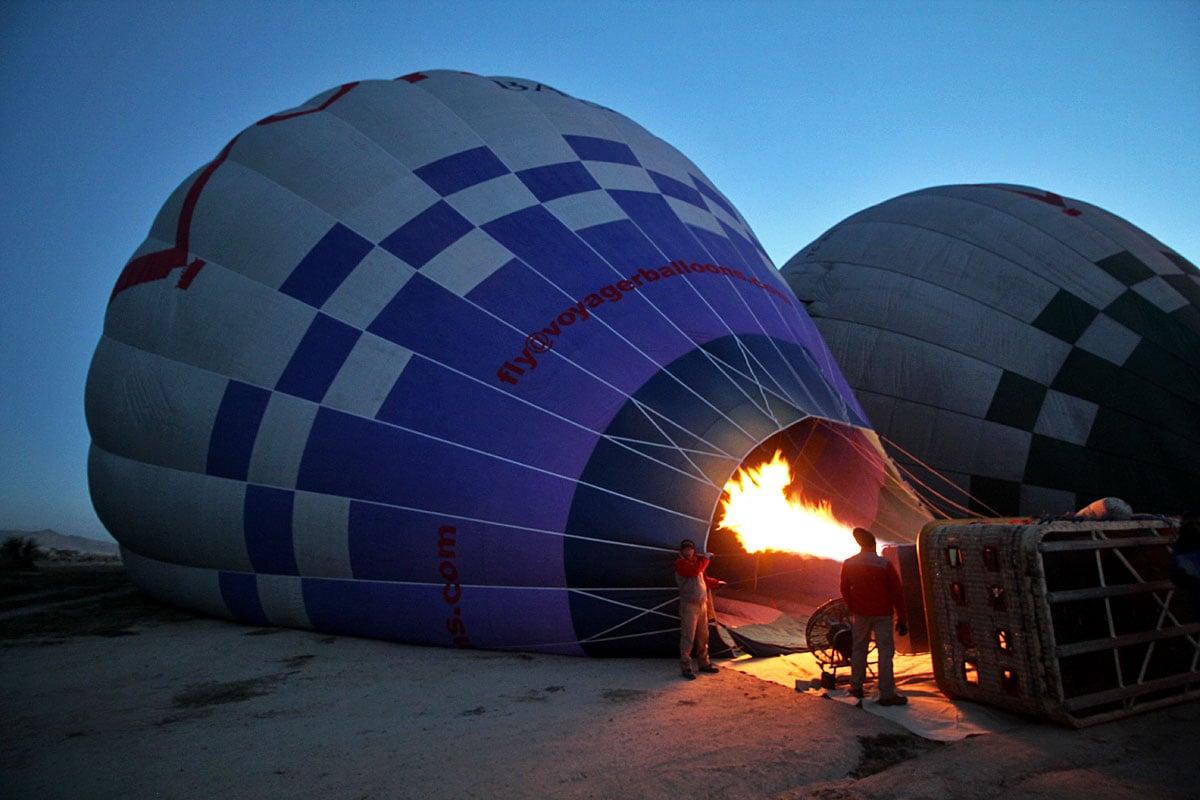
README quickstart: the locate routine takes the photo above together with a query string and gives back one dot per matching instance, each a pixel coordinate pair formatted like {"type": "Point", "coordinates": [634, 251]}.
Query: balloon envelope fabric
{"type": "Point", "coordinates": [1036, 351]}
{"type": "Point", "coordinates": [450, 360]}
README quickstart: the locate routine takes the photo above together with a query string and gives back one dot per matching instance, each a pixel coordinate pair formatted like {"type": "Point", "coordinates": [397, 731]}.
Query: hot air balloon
{"type": "Point", "coordinates": [1023, 352]}
{"type": "Point", "coordinates": [453, 360]}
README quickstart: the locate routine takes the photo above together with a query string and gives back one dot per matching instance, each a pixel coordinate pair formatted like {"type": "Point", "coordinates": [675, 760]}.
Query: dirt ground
{"type": "Point", "coordinates": [107, 693]}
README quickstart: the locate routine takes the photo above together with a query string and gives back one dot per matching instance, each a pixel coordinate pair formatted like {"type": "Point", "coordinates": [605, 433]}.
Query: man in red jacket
{"type": "Point", "coordinates": [693, 607]}
{"type": "Point", "coordinates": [871, 588]}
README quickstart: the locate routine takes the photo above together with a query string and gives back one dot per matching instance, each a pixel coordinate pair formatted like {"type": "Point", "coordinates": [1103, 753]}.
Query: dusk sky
{"type": "Point", "coordinates": [802, 113]}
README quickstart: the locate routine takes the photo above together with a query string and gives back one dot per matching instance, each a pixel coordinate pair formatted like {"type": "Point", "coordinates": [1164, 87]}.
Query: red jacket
{"type": "Point", "coordinates": [871, 587]}
{"type": "Point", "coordinates": [693, 583]}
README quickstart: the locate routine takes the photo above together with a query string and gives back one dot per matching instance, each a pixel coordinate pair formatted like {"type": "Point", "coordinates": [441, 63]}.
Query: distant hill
{"type": "Point", "coordinates": [49, 539]}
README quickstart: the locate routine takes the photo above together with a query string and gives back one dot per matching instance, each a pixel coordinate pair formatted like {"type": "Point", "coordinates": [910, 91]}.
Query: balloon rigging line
{"type": "Point", "coordinates": [764, 407]}
{"type": "Point", "coordinates": [912, 480]}
{"type": "Point", "coordinates": [939, 495]}
{"type": "Point", "coordinates": [612, 267]}
{"type": "Point", "coordinates": [620, 135]}
{"type": "Point", "coordinates": [829, 489]}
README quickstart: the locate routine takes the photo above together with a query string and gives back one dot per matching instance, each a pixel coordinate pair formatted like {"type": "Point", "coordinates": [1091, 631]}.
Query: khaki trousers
{"type": "Point", "coordinates": [863, 627]}
{"type": "Point", "coordinates": [693, 633]}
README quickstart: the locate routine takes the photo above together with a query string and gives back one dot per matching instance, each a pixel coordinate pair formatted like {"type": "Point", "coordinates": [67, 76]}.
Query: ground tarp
{"type": "Point", "coordinates": [929, 713]}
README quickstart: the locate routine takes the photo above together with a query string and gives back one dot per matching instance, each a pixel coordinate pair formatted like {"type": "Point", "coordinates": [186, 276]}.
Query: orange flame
{"type": "Point", "coordinates": [763, 518]}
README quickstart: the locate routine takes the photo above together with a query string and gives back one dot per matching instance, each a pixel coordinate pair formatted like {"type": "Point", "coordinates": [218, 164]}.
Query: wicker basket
{"type": "Point", "coordinates": [1074, 622]}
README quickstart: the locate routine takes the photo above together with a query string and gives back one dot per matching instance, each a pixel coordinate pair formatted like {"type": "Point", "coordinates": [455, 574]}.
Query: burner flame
{"type": "Point", "coordinates": [764, 518]}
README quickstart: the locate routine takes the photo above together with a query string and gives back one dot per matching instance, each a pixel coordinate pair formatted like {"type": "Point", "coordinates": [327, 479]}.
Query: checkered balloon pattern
{"type": "Point", "coordinates": [1022, 352]}
{"type": "Point", "coordinates": [452, 360]}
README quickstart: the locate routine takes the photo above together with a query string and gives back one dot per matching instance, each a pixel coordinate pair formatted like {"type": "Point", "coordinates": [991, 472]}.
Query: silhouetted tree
{"type": "Point", "coordinates": [18, 552]}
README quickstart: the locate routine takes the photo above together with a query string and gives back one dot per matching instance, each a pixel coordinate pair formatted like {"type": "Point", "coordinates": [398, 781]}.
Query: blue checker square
{"type": "Point", "coordinates": [558, 180]}
{"type": "Point", "coordinates": [461, 170]}
{"type": "Point", "coordinates": [231, 442]}
{"type": "Point", "coordinates": [318, 358]}
{"type": "Point", "coordinates": [712, 194]}
{"type": "Point", "coordinates": [239, 590]}
{"type": "Point", "coordinates": [677, 189]}
{"type": "Point", "coordinates": [427, 234]}
{"type": "Point", "coordinates": [591, 148]}
{"type": "Point", "coordinates": [326, 266]}
{"type": "Point", "coordinates": [267, 518]}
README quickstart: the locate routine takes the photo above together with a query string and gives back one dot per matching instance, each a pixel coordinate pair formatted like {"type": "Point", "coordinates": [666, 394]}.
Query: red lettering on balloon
{"type": "Point", "coordinates": [451, 589]}
{"type": "Point", "coordinates": [543, 341]}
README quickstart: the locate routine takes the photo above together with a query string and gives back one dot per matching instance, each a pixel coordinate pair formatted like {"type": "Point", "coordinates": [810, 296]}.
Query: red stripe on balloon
{"type": "Point", "coordinates": [156, 266]}
{"type": "Point", "coordinates": [342, 90]}
{"type": "Point", "coordinates": [1050, 198]}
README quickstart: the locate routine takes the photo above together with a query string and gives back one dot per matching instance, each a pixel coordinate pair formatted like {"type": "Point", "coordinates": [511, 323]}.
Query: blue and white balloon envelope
{"type": "Point", "coordinates": [453, 360]}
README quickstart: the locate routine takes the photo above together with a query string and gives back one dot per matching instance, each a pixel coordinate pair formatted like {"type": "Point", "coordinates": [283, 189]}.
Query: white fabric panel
{"type": "Point", "coordinates": [621, 176]}
{"type": "Point", "coordinates": [367, 375]}
{"type": "Point", "coordinates": [1161, 294]}
{"type": "Point", "coordinates": [940, 317]}
{"type": "Point", "coordinates": [572, 116]}
{"type": "Point", "coordinates": [320, 538]}
{"type": "Point", "coordinates": [1008, 237]}
{"type": "Point", "coordinates": [692, 215]}
{"type": "Point", "coordinates": [198, 589]}
{"type": "Point", "coordinates": [167, 514]}
{"type": "Point", "coordinates": [483, 253]}
{"type": "Point", "coordinates": [734, 223]}
{"type": "Point", "coordinates": [223, 322]}
{"type": "Point", "coordinates": [492, 199]}
{"type": "Point", "coordinates": [326, 161]}
{"type": "Point", "coordinates": [254, 226]}
{"type": "Point", "coordinates": [523, 148]}
{"type": "Point", "coordinates": [651, 151]}
{"type": "Point", "coordinates": [282, 436]}
{"type": "Point", "coordinates": [1123, 235]}
{"type": "Point", "coordinates": [392, 205]}
{"type": "Point", "coordinates": [939, 260]}
{"type": "Point", "coordinates": [143, 404]}
{"type": "Point", "coordinates": [1079, 233]}
{"type": "Point", "coordinates": [1109, 339]}
{"type": "Point", "coordinates": [282, 598]}
{"type": "Point", "coordinates": [579, 211]}
{"type": "Point", "coordinates": [1066, 418]}
{"type": "Point", "coordinates": [488, 110]}
{"type": "Point", "coordinates": [925, 373]}
{"type": "Point", "coordinates": [378, 278]}
{"type": "Point", "coordinates": [406, 120]}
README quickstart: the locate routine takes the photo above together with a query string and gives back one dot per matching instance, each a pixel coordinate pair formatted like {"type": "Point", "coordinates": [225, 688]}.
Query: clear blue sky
{"type": "Point", "coordinates": [801, 112]}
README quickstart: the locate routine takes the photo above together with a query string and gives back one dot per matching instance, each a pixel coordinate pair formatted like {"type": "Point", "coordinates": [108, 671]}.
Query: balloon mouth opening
{"type": "Point", "coordinates": [783, 524]}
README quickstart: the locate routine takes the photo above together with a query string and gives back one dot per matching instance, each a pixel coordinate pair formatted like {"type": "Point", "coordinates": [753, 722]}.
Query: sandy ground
{"type": "Point", "coordinates": [105, 693]}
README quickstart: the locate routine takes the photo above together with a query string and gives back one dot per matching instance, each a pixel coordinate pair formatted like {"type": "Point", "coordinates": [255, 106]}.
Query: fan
{"type": "Point", "coordinates": [831, 640]}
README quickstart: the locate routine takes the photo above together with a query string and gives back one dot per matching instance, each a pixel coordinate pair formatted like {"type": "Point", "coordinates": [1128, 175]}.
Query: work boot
{"type": "Point", "coordinates": [895, 700]}
{"type": "Point", "coordinates": [687, 673]}
{"type": "Point", "coordinates": [855, 692]}
{"type": "Point", "coordinates": [710, 668]}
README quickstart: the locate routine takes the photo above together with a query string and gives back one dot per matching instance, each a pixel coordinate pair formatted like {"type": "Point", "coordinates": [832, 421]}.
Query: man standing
{"type": "Point", "coordinates": [693, 607]}
{"type": "Point", "coordinates": [871, 588]}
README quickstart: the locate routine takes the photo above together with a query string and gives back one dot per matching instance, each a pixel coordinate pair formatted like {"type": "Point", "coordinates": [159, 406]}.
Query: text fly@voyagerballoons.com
{"type": "Point", "coordinates": [542, 341]}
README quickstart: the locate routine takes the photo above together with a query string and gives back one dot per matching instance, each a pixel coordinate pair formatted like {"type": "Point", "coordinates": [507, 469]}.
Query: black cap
{"type": "Point", "coordinates": [687, 543]}
{"type": "Point", "coordinates": [864, 537]}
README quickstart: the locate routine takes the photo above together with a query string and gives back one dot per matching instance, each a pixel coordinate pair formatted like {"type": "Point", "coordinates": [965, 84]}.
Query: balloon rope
{"type": "Point", "coordinates": [912, 476]}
